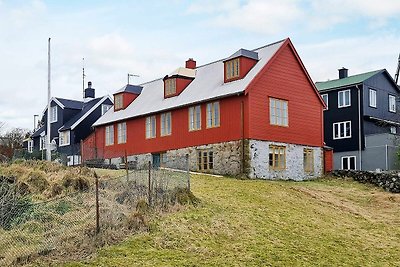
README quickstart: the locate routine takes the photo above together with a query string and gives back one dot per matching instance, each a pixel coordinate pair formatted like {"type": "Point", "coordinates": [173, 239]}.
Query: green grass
{"type": "Point", "coordinates": [263, 223]}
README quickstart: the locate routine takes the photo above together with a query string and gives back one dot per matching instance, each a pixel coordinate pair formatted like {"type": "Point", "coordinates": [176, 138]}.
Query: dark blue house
{"type": "Point", "coordinates": [361, 122]}
{"type": "Point", "coordinates": [70, 121]}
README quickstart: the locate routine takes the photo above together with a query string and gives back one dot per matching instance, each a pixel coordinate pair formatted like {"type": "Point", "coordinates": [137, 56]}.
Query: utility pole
{"type": "Point", "coordinates": [396, 76]}
{"type": "Point", "coordinates": [48, 132]}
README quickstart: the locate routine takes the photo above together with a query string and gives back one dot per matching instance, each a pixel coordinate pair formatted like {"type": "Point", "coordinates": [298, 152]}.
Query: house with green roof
{"type": "Point", "coordinates": [361, 121]}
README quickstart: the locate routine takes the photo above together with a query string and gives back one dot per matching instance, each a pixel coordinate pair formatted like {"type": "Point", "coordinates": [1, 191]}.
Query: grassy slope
{"type": "Point", "coordinates": [264, 223]}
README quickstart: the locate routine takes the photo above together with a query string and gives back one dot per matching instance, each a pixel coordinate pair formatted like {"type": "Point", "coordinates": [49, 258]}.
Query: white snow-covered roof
{"type": "Point", "coordinates": [208, 84]}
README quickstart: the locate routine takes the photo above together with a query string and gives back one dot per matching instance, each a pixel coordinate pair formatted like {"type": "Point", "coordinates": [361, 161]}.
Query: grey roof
{"type": "Point", "coordinates": [135, 89]}
{"type": "Point", "coordinates": [72, 104]}
{"type": "Point", "coordinates": [86, 108]}
{"type": "Point", "coordinates": [244, 53]}
{"type": "Point", "coordinates": [208, 84]}
{"type": "Point", "coordinates": [38, 131]}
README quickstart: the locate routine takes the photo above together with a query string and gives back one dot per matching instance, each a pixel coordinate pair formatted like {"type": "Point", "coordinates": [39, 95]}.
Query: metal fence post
{"type": "Point", "coordinates": [187, 171]}
{"type": "Point", "coordinates": [126, 166]}
{"type": "Point", "coordinates": [97, 204]}
{"type": "Point", "coordinates": [149, 191]}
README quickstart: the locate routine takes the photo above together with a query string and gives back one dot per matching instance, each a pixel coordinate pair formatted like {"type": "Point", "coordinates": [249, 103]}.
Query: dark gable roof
{"type": "Point", "coordinates": [72, 104]}
{"type": "Point", "coordinates": [244, 53]}
{"type": "Point", "coordinates": [86, 107]}
{"type": "Point", "coordinates": [38, 131]}
{"type": "Point", "coordinates": [135, 89]}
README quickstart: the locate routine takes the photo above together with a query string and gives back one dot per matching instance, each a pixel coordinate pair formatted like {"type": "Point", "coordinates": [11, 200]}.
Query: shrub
{"type": "Point", "coordinates": [37, 180]}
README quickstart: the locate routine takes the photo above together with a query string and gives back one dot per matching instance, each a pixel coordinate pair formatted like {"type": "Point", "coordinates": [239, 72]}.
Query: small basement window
{"type": "Point", "coordinates": [205, 160]}
{"type": "Point", "coordinates": [232, 69]}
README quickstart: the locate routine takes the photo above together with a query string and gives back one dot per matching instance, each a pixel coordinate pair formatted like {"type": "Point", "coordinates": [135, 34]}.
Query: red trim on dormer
{"type": "Point", "coordinates": [245, 65]}
{"type": "Point", "coordinates": [127, 99]}
{"type": "Point", "coordinates": [181, 84]}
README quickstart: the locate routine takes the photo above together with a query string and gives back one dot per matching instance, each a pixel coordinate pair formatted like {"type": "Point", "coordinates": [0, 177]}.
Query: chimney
{"type": "Point", "coordinates": [343, 73]}
{"type": "Point", "coordinates": [89, 93]}
{"type": "Point", "coordinates": [190, 63]}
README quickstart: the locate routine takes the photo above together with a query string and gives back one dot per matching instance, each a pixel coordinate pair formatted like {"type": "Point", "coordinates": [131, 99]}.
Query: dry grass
{"type": "Point", "coordinates": [262, 223]}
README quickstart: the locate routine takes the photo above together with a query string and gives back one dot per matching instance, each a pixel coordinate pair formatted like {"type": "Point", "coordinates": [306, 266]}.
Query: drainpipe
{"type": "Point", "coordinates": [386, 157]}
{"type": "Point", "coordinates": [359, 127]}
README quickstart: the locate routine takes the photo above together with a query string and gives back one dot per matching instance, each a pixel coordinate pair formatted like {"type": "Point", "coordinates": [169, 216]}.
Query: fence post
{"type": "Point", "coordinates": [187, 171]}
{"type": "Point", "coordinates": [149, 191]}
{"type": "Point", "coordinates": [126, 166]}
{"type": "Point", "coordinates": [97, 204]}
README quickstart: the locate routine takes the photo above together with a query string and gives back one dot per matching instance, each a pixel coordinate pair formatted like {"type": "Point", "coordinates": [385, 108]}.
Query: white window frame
{"type": "Point", "coordinates": [340, 125]}
{"type": "Point", "coordinates": [30, 146]}
{"type": "Point", "coordinates": [278, 112]}
{"type": "Point", "coordinates": [122, 133]}
{"type": "Point", "coordinates": [170, 87]}
{"type": "Point", "coordinates": [53, 114]}
{"type": "Point", "coordinates": [64, 138]}
{"type": "Point", "coordinates": [109, 132]}
{"type": "Point", "coordinates": [393, 129]}
{"type": "Point", "coordinates": [342, 94]}
{"type": "Point", "coordinates": [105, 108]}
{"type": "Point", "coordinates": [326, 100]}
{"type": "Point", "coordinates": [151, 127]}
{"type": "Point", "coordinates": [392, 103]}
{"type": "Point", "coordinates": [213, 115]}
{"type": "Point", "coordinates": [348, 162]}
{"type": "Point", "coordinates": [42, 142]}
{"type": "Point", "coordinates": [195, 118]}
{"type": "Point", "coordinates": [166, 124]}
{"type": "Point", "coordinates": [372, 98]}
{"type": "Point", "coordinates": [232, 69]}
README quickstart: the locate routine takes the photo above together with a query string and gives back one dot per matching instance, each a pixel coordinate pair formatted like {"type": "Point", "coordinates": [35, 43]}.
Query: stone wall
{"type": "Point", "coordinates": [259, 162]}
{"type": "Point", "coordinates": [388, 181]}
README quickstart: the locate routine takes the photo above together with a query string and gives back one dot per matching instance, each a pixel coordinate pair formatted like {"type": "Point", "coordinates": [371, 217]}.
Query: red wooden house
{"type": "Point", "coordinates": [256, 112]}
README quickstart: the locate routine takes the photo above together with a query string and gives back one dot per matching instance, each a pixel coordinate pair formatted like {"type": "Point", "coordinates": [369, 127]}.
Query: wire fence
{"type": "Point", "coordinates": [88, 214]}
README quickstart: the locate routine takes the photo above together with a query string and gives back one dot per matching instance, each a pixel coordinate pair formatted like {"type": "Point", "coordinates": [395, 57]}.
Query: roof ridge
{"type": "Point", "coordinates": [351, 76]}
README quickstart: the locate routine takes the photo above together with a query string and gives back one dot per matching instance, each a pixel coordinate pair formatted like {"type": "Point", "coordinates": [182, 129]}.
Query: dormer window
{"type": "Point", "coordinates": [118, 102]}
{"type": "Point", "coordinates": [170, 87]}
{"type": "Point", "coordinates": [232, 69]}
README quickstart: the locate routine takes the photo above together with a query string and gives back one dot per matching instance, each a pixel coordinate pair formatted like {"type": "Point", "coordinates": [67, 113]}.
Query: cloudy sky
{"type": "Point", "coordinates": [152, 38]}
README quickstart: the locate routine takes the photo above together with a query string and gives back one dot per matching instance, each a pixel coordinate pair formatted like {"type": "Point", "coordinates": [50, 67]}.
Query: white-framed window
{"type": "Point", "coordinates": [170, 87]}
{"type": "Point", "coordinates": [213, 115]}
{"type": "Point", "coordinates": [42, 143]}
{"type": "Point", "coordinates": [342, 130]}
{"type": "Point", "coordinates": [278, 112]}
{"type": "Point", "coordinates": [326, 100]}
{"type": "Point", "coordinates": [166, 124]}
{"type": "Point", "coordinates": [232, 68]}
{"type": "Point", "coordinates": [308, 160]}
{"type": "Point", "coordinates": [121, 133]}
{"type": "Point", "coordinates": [150, 127]}
{"type": "Point", "coordinates": [53, 114]}
{"type": "Point", "coordinates": [392, 103]}
{"type": "Point", "coordinates": [344, 98]}
{"type": "Point", "coordinates": [105, 108]}
{"type": "Point", "coordinates": [118, 101]}
{"type": "Point", "coordinates": [64, 138]}
{"type": "Point", "coordinates": [372, 98]}
{"type": "Point", "coordinates": [349, 163]}
{"type": "Point", "coordinates": [109, 135]}
{"type": "Point", "coordinates": [393, 129]}
{"type": "Point", "coordinates": [195, 118]}
{"type": "Point", "coordinates": [277, 157]}
{"type": "Point", "coordinates": [205, 160]}
{"type": "Point", "coordinates": [30, 146]}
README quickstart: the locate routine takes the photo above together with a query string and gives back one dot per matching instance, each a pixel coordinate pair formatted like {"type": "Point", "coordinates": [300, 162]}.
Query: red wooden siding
{"type": "Point", "coordinates": [284, 78]}
{"type": "Point", "coordinates": [229, 129]}
{"type": "Point", "coordinates": [127, 98]}
{"type": "Point", "coordinates": [328, 160]}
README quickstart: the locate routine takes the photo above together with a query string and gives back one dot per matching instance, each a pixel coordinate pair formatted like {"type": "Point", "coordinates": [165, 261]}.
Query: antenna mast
{"type": "Point", "coordinates": [83, 76]}
{"type": "Point", "coordinates": [396, 76]}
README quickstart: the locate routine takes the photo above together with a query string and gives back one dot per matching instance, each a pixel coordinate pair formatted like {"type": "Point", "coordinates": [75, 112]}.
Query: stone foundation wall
{"type": "Point", "coordinates": [259, 162]}
{"type": "Point", "coordinates": [228, 160]}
